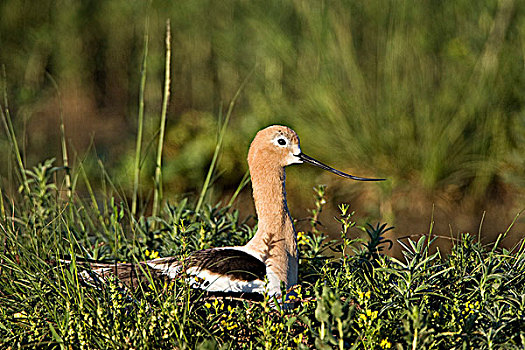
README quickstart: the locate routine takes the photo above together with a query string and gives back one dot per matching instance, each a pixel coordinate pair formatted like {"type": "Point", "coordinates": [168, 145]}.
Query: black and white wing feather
{"type": "Point", "coordinates": [228, 270]}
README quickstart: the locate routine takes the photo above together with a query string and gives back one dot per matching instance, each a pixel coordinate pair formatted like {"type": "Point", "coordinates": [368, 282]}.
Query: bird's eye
{"type": "Point", "coordinates": [281, 142]}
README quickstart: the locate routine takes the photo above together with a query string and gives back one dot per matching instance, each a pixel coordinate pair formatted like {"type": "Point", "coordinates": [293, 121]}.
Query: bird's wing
{"type": "Point", "coordinates": [225, 270]}
{"type": "Point", "coordinates": [213, 270]}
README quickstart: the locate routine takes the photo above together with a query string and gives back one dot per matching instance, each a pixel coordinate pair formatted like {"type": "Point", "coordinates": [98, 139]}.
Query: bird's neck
{"type": "Point", "coordinates": [275, 240]}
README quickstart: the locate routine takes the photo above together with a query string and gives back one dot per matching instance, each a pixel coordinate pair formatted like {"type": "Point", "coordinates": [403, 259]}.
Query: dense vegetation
{"type": "Point", "coordinates": [358, 298]}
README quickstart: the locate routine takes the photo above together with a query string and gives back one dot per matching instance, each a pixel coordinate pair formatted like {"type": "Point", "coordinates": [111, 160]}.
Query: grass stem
{"type": "Point", "coordinates": [157, 196]}
{"type": "Point", "coordinates": [65, 159]}
{"type": "Point", "coordinates": [244, 181]}
{"type": "Point", "coordinates": [8, 125]}
{"type": "Point", "coordinates": [140, 123]}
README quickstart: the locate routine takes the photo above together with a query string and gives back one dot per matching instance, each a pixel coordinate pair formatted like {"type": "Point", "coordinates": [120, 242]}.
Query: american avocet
{"type": "Point", "coordinates": [269, 259]}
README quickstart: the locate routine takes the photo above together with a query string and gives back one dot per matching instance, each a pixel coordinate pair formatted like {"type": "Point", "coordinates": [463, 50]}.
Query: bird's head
{"type": "Point", "coordinates": [278, 145]}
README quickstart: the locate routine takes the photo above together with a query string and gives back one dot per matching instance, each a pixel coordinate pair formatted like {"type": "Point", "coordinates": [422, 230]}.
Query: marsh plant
{"type": "Point", "coordinates": [351, 295]}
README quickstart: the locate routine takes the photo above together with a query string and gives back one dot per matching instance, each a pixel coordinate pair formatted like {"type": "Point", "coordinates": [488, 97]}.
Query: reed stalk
{"type": "Point", "coordinates": [157, 195]}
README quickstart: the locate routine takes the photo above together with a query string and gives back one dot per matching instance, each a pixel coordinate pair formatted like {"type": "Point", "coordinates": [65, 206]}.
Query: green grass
{"type": "Point", "coordinates": [473, 297]}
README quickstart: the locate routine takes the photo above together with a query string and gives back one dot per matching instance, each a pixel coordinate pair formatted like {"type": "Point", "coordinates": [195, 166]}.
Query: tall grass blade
{"type": "Point", "coordinates": [65, 159]}
{"type": "Point", "coordinates": [504, 234]}
{"type": "Point", "coordinates": [218, 146]}
{"type": "Point", "coordinates": [140, 123]}
{"type": "Point", "coordinates": [93, 198]}
{"type": "Point", "coordinates": [8, 125]}
{"type": "Point", "coordinates": [244, 181]}
{"type": "Point", "coordinates": [157, 196]}
{"type": "Point", "coordinates": [2, 207]}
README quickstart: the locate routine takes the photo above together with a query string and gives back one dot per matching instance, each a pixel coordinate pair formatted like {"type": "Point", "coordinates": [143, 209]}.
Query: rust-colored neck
{"type": "Point", "coordinates": [275, 240]}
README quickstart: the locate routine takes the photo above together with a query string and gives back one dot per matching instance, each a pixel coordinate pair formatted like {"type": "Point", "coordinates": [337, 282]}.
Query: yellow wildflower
{"type": "Point", "coordinates": [151, 254]}
{"type": "Point", "coordinates": [301, 238]}
{"type": "Point", "coordinates": [385, 344]}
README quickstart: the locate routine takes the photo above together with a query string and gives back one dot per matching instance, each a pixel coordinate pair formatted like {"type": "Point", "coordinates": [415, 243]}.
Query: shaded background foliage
{"type": "Point", "coordinates": [429, 94]}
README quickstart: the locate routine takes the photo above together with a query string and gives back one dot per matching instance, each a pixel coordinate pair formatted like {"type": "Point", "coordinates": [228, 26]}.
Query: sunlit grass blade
{"type": "Point", "coordinates": [157, 195]}
{"type": "Point", "coordinates": [501, 236]}
{"type": "Point", "coordinates": [244, 181]}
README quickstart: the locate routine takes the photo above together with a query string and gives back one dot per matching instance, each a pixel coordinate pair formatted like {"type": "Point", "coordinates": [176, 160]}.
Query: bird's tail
{"type": "Point", "coordinates": [131, 275]}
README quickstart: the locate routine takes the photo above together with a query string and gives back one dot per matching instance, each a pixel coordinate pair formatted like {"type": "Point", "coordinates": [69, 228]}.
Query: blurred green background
{"type": "Point", "coordinates": [429, 94]}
